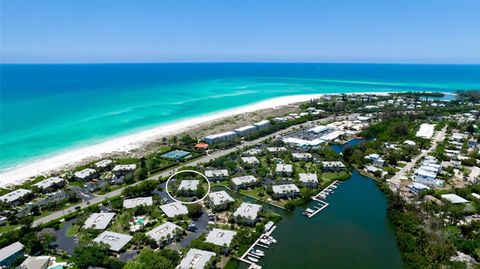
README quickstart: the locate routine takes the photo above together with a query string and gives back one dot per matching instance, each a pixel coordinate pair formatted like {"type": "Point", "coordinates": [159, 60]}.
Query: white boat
{"type": "Point", "coordinates": [265, 241]}
{"type": "Point", "coordinates": [257, 252]}
{"type": "Point", "coordinates": [271, 239]}
{"type": "Point", "coordinates": [252, 259]}
{"type": "Point", "coordinates": [308, 210]}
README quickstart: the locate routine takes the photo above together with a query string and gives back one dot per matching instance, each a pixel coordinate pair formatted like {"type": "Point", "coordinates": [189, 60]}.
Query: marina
{"type": "Point", "coordinates": [253, 255]}
{"type": "Point", "coordinates": [320, 198]}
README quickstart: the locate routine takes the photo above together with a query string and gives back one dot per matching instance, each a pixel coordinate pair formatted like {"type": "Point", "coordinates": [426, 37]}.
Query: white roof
{"type": "Point", "coordinates": [220, 237]}
{"type": "Point", "coordinates": [9, 250]}
{"type": "Point", "coordinates": [409, 142]}
{"type": "Point", "coordinates": [303, 142]}
{"type": "Point", "coordinates": [420, 186]}
{"type": "Point", "coordinates": [333, 164]}
{"type": "Point", "coordinates": [162, 232]}
{"type": "Point", "coordinates": [302, 155]}
{"type": "Point", "coordinates": [116, 241]}
{"type": "Point", "coordinates": [14, 195]}
{"type": "Point", "coordinates": [220, 197]}
{"type": "Point", "coordinates": [276, 149]}
{"type": "Point", "coordinates": [247, 210]}
{"type": "Point", "coordinates": [174, 209]}
{"type": "Point", "coordinates": [250, 160]}
{"type": "Point", "coordinates": [216, 173]}
{"type": "Point", "coordinates": [287, 168]}
{"type": "Point", "coordinates": [189, 185]}
{"type": "Point", "coordinates": [195, 259]}
{"type": "Point", "coordinates": [426, 130]}
{"type": "Point", "coordinates": [98, 221]}
{"type": "Point", "coordinates": [245, 128]}
{"type": "Point", "coordinates": [230, 133]}
{"type": "Point", "coordinates": [253, 151]}
{"type": "Point", "coordinates": [35, 262]}
{"type": "Point", "coordinates": [332, 136]}
{"type": "Point", "coordinates": [453, 198]}
{"type": "Point", "coordinates": [306, 178]}
{"type": "Point", "coordinates": [285, 188]}
{"type": "Point", "coordinates": [476, 195]}
{"type": "Point", "coordinates": [131, 203]}
{"type": "Point", "coordinates": [124, 167]}
{"type": "Point", "coordinates": [47, 183]}
{"type": "Point", "coordinates": [261, 123]}
{"type": "Point", "coordinates": [85, 173]}
{"type": "Point", "coordinates": [103, 163]}
{"type": "Point", "coordinates": [319, 129]}
{"type": "Point", "coordinates": [244, 180]}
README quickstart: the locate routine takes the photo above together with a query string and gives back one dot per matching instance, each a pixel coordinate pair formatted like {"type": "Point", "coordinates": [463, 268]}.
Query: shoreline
{"type": "Point", "coordinates": [69, 158]}
{"type": "Point", "coordinates": [125, 143]}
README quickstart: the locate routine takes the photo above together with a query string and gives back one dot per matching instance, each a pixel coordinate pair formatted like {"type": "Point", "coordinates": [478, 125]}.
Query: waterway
{"type": "Point", "coordinates": [353, 232]}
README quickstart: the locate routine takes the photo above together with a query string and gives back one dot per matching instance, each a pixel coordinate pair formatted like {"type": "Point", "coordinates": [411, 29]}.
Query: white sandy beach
{"type": "Point", "coordinates": [128, 142]}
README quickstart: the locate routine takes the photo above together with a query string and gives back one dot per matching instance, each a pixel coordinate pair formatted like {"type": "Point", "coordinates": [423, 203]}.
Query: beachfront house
{"type": "Point", "coordinates": [308, 180]}
{"type": "Point", "coordinates": [247, 213]}
{"type": "Point", "coordinates": [196, 259]}
{"type": "Point", "coordinates": [216, 175]}
{"type": "Point", "coordinates": [85, 174]}
{"type": "Point", "coordinates": [16, 197]}
{"type": "Point", "coordinates": [116, 241]}
{"type": "Point", "coordinates": [10, 254]}
{"type": "Point", "coordinates": [245, 130]}
{"type": "Point", "coordinates": [284, 169]}
{"type": "Point", "coordinates": [139, 201]}
{"type": "Point", "coordinates": [244, 182]}
{"type": "Point", "coordinates": [123, 169]}
{"type": "Point", "coordinates": [333, 167]}
{"type": "Point", "coordinates": [220, 237]}
{"type": "Point", "coordinates": [103, 165]}
{"type": "Point", "coordinates": [222, 137]}
{"type": "Point", "coordinates": [165, 233]}
{"type": "Point", "coordinates": [98, 221]}
{"type": "Point", "coordinates": [50, 184]}
{"type": "Point", "coordinates": [174, 209]}
{"type": "Point", "coordinates": [262, 124]}
{"type": "Point", "coordinates": [285, 191]}
{"type": "Point", "coordinates": [219, 200]}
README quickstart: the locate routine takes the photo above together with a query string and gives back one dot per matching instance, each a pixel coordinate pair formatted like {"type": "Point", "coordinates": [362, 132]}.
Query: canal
{"type": "Point", "coordinates": [353, 232]}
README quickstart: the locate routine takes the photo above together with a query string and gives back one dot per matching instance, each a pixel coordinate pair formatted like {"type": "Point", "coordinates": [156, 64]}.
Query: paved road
{"type": "Point", "coordinates": [100, 198]}
{"type": "Point", "coordinates": [396, 179]}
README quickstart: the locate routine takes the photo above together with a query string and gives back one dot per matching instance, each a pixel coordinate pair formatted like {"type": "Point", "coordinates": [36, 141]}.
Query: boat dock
{"type": "Point", "coordinates": [248, 253]}
{"type": "Point", "coordinates": [320, 198]}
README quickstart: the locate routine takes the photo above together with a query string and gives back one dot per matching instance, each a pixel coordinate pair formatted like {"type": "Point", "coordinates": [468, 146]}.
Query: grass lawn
{"type": "Point", "coordinates": [335, 176]}
{"type": "Point", "coordinates": [8, 228]}
{"type": "Point", "coordinates": [72, 230]}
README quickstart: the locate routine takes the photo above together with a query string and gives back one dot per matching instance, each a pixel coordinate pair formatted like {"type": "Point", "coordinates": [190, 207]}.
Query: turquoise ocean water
{"type": "Point", "coordinates": [46, 109]}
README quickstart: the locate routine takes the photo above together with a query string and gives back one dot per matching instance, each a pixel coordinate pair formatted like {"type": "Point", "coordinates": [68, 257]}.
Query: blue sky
{"type": "Point", "coordinates": [397, 31]}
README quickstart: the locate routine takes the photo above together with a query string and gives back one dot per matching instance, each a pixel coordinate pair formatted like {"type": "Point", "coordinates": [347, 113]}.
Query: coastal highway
{"type": "Point", "coordinates": [100, 198]}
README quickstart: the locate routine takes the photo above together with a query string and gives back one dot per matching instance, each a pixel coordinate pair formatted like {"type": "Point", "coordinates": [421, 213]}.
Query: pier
{"type": "Point", "coordinates": [320, 198]}
{"type": "Point", "coordinates": [244, 257]}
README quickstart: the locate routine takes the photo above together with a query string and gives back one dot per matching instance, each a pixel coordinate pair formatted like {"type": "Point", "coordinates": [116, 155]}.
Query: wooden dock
{"type": "Point", "coordinates": [256, 243]}
{"type": "Point", "coordinates": [319, 197]}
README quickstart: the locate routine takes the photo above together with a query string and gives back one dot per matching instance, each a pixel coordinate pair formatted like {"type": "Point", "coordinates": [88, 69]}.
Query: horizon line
{"type": "Point", "coordinates": [232, 62]}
